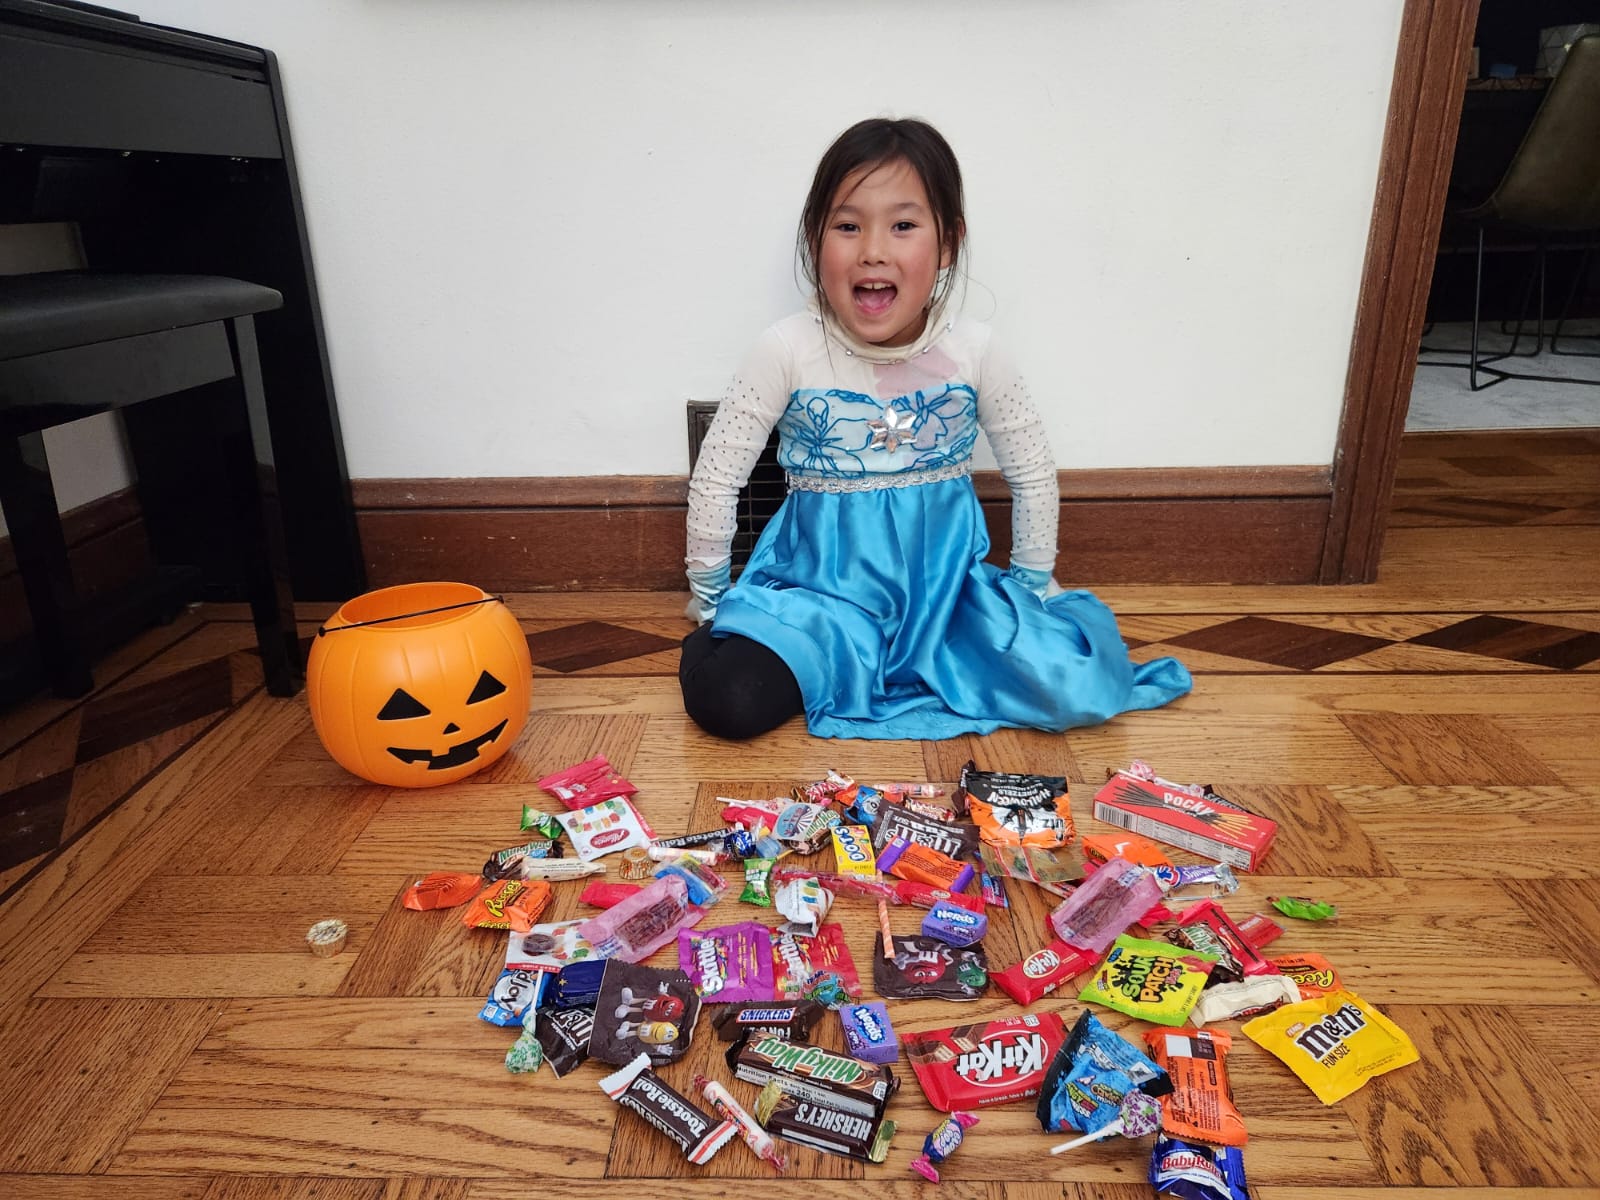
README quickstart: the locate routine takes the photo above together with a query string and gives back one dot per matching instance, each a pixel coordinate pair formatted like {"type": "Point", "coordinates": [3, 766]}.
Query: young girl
{"type": "Point", "coordinates": [866, 604]}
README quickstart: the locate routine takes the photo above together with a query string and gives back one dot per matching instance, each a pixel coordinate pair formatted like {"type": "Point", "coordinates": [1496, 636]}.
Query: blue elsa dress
{"type": "Point", "coordinates": [870, 583]}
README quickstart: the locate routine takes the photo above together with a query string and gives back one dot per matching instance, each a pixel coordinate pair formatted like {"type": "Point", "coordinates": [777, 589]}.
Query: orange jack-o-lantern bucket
{"type": "Point", "coordinates": [420, 684]}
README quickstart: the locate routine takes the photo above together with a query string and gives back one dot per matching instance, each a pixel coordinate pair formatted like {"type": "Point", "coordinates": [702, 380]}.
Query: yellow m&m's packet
{"type": "Point", "coordinates": [1335, 1043]}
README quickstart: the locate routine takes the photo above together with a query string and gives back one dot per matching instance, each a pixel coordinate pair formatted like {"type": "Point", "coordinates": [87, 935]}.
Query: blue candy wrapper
{"type": "Point", "coordinates": [578, 984]}
{"type": "Point", "coordinates": [1091, 1073]}
{"type": "Point", "coordinates": [514, 994]}
{"type": "Point", "coordinates": [1196, 1172]}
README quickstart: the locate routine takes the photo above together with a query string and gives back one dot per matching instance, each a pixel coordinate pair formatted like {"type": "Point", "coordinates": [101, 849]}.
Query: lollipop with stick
{"type": "Point", "coordinates": [1140, 1114]}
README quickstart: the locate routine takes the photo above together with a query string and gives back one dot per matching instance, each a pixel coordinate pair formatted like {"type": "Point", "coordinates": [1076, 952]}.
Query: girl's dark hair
{"type": "Point", "coordinates": [871, 144]}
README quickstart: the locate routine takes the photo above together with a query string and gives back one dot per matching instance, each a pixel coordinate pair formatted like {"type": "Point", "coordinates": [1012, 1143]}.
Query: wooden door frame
{"type": "Point", "coordinates": [1414, 170]}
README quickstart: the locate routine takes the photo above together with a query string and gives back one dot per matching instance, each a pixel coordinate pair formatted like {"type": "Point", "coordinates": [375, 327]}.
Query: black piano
{"type": "Point", "coordinates": [171, 153]}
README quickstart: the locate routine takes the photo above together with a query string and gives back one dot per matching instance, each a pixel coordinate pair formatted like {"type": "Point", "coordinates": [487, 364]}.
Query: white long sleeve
{"type": "Point", "coordinates": [1021, 448]}
{"type": "Point", "coordinates": [745, 416]}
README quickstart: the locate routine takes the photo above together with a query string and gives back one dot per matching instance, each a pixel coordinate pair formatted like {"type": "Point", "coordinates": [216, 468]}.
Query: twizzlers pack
{"type": "Point", "coordinates": [1206, 824]}
{"type": "Point", "coordinates": [981, 1065]}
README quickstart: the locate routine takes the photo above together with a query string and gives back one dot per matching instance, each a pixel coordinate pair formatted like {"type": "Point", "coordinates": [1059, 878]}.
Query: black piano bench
{"type": "Point", "coordinates": [75, 343]}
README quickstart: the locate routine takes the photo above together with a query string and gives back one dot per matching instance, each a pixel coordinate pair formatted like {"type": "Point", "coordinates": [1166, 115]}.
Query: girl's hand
{"type": "Point", "coordinates": [707, 588]}
{"type": "Point", "coordinates": [1040, 583]}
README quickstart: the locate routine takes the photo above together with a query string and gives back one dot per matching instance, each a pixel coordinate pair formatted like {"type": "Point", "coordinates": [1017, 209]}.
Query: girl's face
{"type": "Point", "coordinates": [880, 255]}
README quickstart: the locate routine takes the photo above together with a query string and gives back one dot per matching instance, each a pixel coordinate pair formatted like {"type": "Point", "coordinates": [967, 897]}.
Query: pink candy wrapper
{"type": "Point", "coordinates": [587, 783]}
{"type": "Point", "coordinates": [1104, 905]}
{"type": "Point", "coordinates": [729, 964]}
{"type": "Point", "coordinates": [642, 924]}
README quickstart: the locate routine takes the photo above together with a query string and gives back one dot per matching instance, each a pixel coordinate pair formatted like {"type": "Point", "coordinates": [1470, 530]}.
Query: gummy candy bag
{"type": "Point", "coordinates": [1154, 981]}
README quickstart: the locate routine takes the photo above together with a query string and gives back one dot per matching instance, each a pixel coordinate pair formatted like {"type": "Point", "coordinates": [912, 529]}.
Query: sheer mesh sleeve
{"type": "Point", "coordinates": [745, 416]}
{"type": "Point", "coordinates": [1022, 450]}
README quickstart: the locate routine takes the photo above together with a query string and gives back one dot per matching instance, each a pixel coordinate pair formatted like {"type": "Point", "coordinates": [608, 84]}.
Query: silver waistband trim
{"type": "Point", "coordinates": [875, 481]}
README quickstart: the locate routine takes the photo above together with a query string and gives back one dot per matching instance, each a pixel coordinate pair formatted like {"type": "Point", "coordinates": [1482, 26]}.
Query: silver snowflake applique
{"type": "Point", "coordinates": [893, 428]}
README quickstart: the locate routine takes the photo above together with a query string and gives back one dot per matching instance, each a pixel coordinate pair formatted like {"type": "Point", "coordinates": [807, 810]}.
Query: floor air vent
{"type": "Point", "coordinates": [759, 499]}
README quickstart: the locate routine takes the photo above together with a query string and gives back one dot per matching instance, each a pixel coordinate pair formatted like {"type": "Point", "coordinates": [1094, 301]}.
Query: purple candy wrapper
{"type": "Point", "coordinates": [954, 924]}
{"type": "Point", "coordinates": [730, 964]}
{"type": "Point", "coordinates": [868, 1035]}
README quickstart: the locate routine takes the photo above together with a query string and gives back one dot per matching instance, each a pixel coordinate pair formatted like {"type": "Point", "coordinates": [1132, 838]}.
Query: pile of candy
{"type": "Point", "coordinates": [1133, 930]}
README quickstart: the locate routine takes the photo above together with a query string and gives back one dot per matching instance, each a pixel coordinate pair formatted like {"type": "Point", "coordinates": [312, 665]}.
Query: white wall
{"type": "Point", "coordinates": [540, 225]}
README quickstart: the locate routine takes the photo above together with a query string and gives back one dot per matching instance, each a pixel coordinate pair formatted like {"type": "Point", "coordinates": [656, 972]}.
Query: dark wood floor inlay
{"type": "Point", "coordinates": [1281, 643]}
{"type": "Point", "coordinates": [130, 716]}
{"type": "Point", "coordinates": [1517, 641]}
{"type": "Point", "coordinates": [31, 818]}
{"type": "Point", "coordinates": [592, 644]}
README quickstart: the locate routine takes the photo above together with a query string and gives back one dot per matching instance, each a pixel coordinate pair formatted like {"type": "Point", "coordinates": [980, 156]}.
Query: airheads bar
{"type": "Point", "coordinates": [1203, 823]}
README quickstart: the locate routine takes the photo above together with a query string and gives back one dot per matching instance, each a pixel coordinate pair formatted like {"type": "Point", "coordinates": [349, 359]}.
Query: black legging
{"type": "Point", "coordinates": [735, 688]}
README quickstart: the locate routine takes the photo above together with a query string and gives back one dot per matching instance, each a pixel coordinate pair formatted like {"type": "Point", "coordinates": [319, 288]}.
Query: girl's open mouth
{"type": "Point", "coordinates": [875, 299]}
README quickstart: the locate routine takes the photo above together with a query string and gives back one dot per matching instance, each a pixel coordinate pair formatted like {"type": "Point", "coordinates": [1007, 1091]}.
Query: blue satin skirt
{"type": "Point", "coordinates": [881, 604]}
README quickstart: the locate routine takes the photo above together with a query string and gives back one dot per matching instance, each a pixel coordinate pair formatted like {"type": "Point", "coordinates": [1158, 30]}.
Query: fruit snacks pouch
{"type": "Point", "coordinates": [815, 968]}
{"type": "Point", "coordinates": [730, 964]}
{"type": "Point", "coordinates": [605, 828]}
{"type": "Point", "coordinates": [925, 968]}
{"type": "Point", "coordinates": [642, 1010]}
{"type": "Point", "coordinates": [1335, 1043]}
{"type": "Point", "coordinates": [1153, 981]}
{"type": "Point", "coordinates": [1201, 1104]}
{"type": "Point", "coordinates": [1088, 1077]}
{"type": "Point", "coordinates": [586, 783]}
{"type": "Point", "coordinates": [1312, 974]}
{"type": "Point", "coordinates": [549, 947]}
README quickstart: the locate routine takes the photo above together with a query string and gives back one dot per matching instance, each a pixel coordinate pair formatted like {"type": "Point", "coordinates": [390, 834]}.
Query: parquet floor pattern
{"type": "Point", "coordinates": [1429, 743]}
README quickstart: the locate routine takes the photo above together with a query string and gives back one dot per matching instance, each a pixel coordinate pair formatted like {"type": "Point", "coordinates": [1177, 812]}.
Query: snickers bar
{"type": "Point", "coordinates": [822, 1126]}
{"type": "Point", "coordinates": [812, 1073]}
{"type": "Point", "coordinates": [734, 1022]}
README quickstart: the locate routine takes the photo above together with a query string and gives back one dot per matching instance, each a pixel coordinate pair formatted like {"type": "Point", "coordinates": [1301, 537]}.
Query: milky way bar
{"type": "Point", "coordinates": [823, 1126]}
{"type": "Point", "coordinates": [812, 1073]}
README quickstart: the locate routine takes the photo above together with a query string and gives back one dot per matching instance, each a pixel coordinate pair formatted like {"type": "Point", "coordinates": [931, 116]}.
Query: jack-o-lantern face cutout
{"type": "Point", "coordinates": [403, 706]}
{"type": "Point", "coordinates": [420, 684]}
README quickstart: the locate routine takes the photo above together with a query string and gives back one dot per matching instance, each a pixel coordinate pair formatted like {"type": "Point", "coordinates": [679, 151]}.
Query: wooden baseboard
{"type": "Point", "coordinates": [106, 546]}
{"type": "Point", "coordinates": [1188, 525]}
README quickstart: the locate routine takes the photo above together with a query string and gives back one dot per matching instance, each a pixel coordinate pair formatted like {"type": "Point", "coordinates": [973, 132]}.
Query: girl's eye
{"type": "Point", "coordinates": [904, 226]}
{"type": "Point", "coordinates": [845, 227]}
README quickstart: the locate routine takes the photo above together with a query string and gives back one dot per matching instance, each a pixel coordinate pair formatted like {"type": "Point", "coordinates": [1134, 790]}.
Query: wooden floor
{"type": "Point", "coordinates": [1430, 744]}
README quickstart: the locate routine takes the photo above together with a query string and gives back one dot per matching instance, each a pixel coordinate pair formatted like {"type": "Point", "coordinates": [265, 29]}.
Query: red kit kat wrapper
{"type": "Point", "coordinates": [984, 1064]}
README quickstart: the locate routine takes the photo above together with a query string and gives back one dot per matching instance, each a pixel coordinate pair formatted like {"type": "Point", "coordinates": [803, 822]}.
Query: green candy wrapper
{"type": "Point", "coordinates": [1303, 909]}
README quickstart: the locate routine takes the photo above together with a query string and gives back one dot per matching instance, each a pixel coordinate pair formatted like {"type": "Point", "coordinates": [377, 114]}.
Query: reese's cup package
{"type": "Point", "coordinates": [1335, 1043]}
{"type": "Point", "coordinates": [1154, 981]}
{"type": "Point", "coordinates": [1201, 1103]}
{"type": "Point", "coordinates": [984, 1064]}
{"type": "Point", "coordinates": [925, 968]}
{"type": "Point", "coordinates": [642, 1010]}
{"type": "Point", "coordinates": [1312, 974]}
